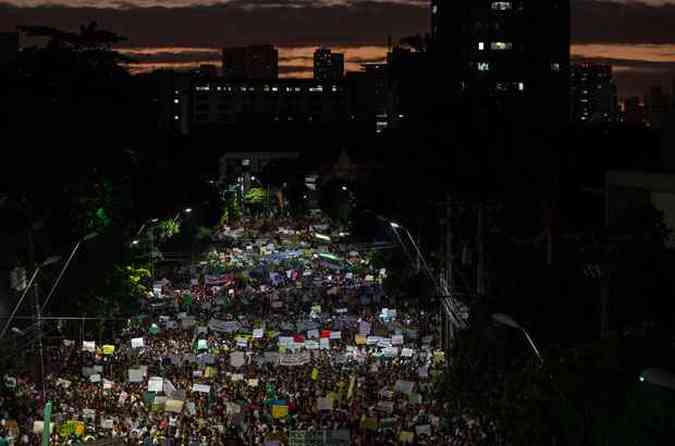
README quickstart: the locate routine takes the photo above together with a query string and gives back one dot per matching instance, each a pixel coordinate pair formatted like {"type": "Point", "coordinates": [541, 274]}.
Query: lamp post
{"type": "Point", "coordinates": [510, 322]}
{"type": "Point", "coordinates": [65, 266]}
{"type": "Point", "coordinates": [658, 377]}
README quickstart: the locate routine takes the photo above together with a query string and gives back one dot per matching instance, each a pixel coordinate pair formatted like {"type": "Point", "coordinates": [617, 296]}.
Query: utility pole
{"type": "Point", "coordinates": [480, 247]}
{"type": "Point", "coordinates": [36, 302]}
{"type": "Point", "coordinates": [449, 255]}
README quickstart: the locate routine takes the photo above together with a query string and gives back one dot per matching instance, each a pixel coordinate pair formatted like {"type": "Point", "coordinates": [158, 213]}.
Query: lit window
{"type": "Point", "coordinates": [501, 6]}
{"type": "Point", "coordinates": [275, 88]}
{"type": "Point", "coordinates": [175, 117]}
{"type": "Point", "coordinates": [521, 86]}
{"type": "Point", "coordinates": [501, 45]}
{"type": "Point", "coordinates": [483, 66]}
{"type": "Point", "coordinates": [481, 46]}
{"type": "Point", "coordinates": [176, 101]}
{"type": "Point", "coordinates": [434, 10]}
{"type": "Point", "coordinates": [555, 66]}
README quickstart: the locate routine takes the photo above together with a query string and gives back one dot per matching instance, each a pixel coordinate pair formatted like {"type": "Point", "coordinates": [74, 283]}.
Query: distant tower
{"type": "Point", "coordinates": [328, 66]}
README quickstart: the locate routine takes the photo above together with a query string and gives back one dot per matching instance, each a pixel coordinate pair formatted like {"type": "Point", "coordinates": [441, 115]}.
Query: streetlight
{"type": "Point", "coordinates": [510, 322]}
{"type": "Point", "coordinates": [658, 377]}
{"type": "Point", "coordinates": [87, 237]}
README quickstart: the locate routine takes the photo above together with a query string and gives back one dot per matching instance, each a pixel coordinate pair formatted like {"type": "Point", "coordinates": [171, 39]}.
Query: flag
{"type": "Point", "coordinates": [325, 333]}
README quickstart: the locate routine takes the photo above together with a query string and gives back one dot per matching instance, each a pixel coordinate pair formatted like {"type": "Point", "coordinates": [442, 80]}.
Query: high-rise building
{"type": "Point", "coordinates": [516, 51]}
{"type": "Point", "coordinates": [633, 111]}
{"type": "Point", "coordinates": [9, 47]}
{"type": "Point", "coordinates": [328, 66]}
{"type": "Point", "coordinates": [259, 62]}
{"type": "Point", "coordinates": [593, 94]}
{"type": "Point", "coordinates": [657, 106]}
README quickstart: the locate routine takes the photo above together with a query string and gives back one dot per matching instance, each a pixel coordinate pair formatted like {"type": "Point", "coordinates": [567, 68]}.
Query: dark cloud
{"type": "Point", "coordinates": [237, 23]}
{"type": "Point", "coordinates": [632, 22]}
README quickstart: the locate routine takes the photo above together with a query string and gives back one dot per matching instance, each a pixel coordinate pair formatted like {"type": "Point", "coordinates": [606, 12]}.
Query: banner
{"type": "Point", "coordinates": [294, 359]}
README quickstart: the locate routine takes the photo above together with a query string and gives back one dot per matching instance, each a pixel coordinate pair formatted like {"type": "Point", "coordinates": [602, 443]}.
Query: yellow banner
{"type": "Point", "coordinates": [315, 374]}
{"type": "Point", "coordinates": [279, 411]}
{"type": "Point", "coordinates": [360, 340]}
{"type": "Point", "coordinates": [108, 349]}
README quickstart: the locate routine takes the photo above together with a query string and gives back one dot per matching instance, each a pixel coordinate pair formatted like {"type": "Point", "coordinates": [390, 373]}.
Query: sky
{"type": "Point", "coordinates": [637, 37]}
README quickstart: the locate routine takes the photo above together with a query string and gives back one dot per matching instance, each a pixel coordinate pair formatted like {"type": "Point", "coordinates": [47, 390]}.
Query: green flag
{"type": "Point", "coordinates": [47, 421]}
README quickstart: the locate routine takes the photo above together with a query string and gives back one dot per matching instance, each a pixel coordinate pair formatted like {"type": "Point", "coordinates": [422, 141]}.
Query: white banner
{"type": "Point", "coordinates": [136, 375]}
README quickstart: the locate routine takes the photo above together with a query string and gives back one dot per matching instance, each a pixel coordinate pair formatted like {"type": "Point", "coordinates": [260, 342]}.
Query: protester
{"type": "Point", "coordinates": [276, 338]}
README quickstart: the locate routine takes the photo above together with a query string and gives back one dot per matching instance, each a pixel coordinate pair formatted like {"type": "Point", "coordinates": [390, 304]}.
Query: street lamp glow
{"type": "Point", "coordinates": [135, 242]}
{"type": "Point", "coordinates": [642, 379]}
{"type": "Point", "coordinates": [90, 236]}
{"type": "Point", "coordinates": [344, 188]}
{"type": "Point", "coordinates": [51, 260]}
{"type": "Point", "coordinates": [505, 320]}
{"type": "Point", "coordinates": [154, 220]}
{"type": "Point", "coordinates": [252, 178]}
{"type": "Point", "coordinates": [394, 225]}
{"type": "Point", "coordinates": [658, 377]}
{"type": "Point", "coordinates": [188, 210]}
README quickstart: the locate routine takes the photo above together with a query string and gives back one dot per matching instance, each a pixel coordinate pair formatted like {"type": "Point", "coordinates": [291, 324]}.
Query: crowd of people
{"type": "Point", "coordinates": [281, 336]}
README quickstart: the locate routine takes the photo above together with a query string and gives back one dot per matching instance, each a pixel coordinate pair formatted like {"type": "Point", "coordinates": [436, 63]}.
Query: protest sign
{"type": "Point", "coordinates": [423, 429]}
{"type": "Point", "coordinates": [202, 344]}
{"type": "Point", "coordinates": [237, 359]}
{"type": "Point", "coordinates": [95, 378]}
{"type": "Point", "coordinates": [324, 404]}
{"type": "Point", "coordinates": [313, 334]}
{"type": "Point", "coordinates": [407, 353]}
{"type": "Point", "coordinates": [360, 340]}
{"type": "Point", "coordinates": [156, 384]}
{"type": "Point", "coordinates": [258, 333]}
{"type": "Point", "coordinates": [137, 343]}
{"type": "Point", "coordinates": [364, 328]}
{"type": "Point", "coordinates": [397, 340]}
{"type": "Point", "coordinates": [405, 387]}
{"type": "Point", "coordinates": [136, 375]}
{"type": "Point", "coordinates": [202, 388]}
{"type": "Point", "coordinates": [279, 411]}
{"type": "Point", "coordinates": [108, 349]}
{"type": "Point", "coordinates": [89, 346]}
{"type": "Point", "coordinates": [174, 406]}
{"type": "Point", "coordinates": [335, 335]}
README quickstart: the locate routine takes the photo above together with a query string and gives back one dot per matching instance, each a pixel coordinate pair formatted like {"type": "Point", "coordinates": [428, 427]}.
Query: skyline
{"type": "Point", "coordinates": [637, 38]}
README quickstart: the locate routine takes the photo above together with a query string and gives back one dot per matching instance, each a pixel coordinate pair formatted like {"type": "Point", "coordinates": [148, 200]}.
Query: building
{"type": "Point", "coordinates": [593, 94]}
{"type": "Point", "coordinates": [628, 191]}
{"type": "Point", "coordinates": [251, 63]}
{"type": "Point", "coordinates": [244, 165]}
{"type": "Point", "coordinates": [633, 111]}
{"type": "Point", "coordinates": [219, 102]}
{"type": "Point", "coordinates": [368, 89]}
{"type": "Point", "coordinates": [513, 53]}
{"type": "Point", "coordinates": [328, 66]}
{"type": "Point", "coordinates": [657, 106]}
{"type": "Point", "coordinates": [9, 48]}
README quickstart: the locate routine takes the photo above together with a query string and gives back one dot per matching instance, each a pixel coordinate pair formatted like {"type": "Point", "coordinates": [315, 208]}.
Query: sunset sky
{"type": "Point", "coordinates": [638, 38]}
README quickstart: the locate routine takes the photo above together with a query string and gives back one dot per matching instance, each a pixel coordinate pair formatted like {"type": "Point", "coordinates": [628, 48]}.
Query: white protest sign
{"type": "Point", "coordinates": [312, 334]}
{"type": "Point", "coordinates": [136, 375]}
{"type": "Point", "coordinates": [364, 328]}
{"type": "Point", "coordinates": [258, 333]}
{"type": "Point", "coordinates": [95, 378]}
{"type": "Point", "coordinates": [137, 343]}
{"type": "Point", "coordinates": [424, 429]}
{"type": "Point", "coordinates": [236, 377]}
{"type": "Point", "coordinates": [253, 382]}
{"type": "Point", "coordinates": [336, 335]}
{"type": "Point", "coordinates": [237, 359]}
{"type": "Point", "coordinates": [202, 344]}
{"type": "Point", "coordinates": [107, 423]}
{"type": "Point", "coordinates": [324, 343]}
{"type": "Point", "coordinates": [156, 384]}
{"type": "Point", "coordinates": [397, 340]}
{"type": "Point", "coordinates": [203, 388]}
{"type": "Point", "coordinates": [324, 403]}
{"type": "Point", "coordinates": [175, 406]}
{"type": "Point", "coordinates": [404, 386]}
{"type": "Point", "coordinates": [407, 352]}
{"type": "Point", "coordinates": [89, 346]}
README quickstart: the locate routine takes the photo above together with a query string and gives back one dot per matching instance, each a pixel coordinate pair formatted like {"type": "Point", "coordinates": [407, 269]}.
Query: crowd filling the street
{"type": "Point", "coordinates": [279, 335]}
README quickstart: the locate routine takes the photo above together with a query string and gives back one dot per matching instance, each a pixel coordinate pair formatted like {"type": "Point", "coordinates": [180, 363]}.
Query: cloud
{"type": "Point", "coordinates": [238, 22]}
{"type": "Point", "coordinates": [626, 22]}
